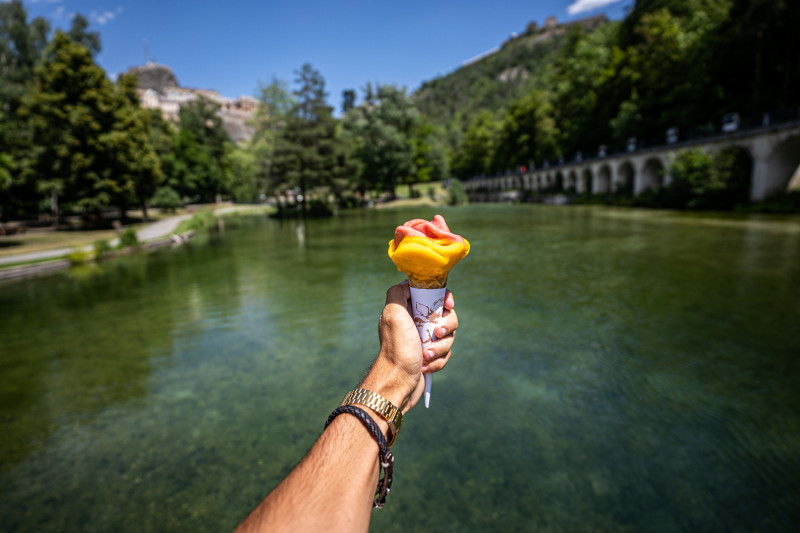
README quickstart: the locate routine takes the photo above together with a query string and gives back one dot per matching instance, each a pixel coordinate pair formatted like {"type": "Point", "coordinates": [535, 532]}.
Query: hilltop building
{"type": "Point", "coordinates": [159, 89]}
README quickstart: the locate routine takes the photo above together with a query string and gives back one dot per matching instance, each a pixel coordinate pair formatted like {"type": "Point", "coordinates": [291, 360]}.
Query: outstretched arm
{"type": "Point", "coordinates": [333, 486]}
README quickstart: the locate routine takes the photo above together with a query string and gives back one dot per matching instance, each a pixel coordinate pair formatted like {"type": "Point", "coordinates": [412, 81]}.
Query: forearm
{"type": "Point", "coordinates": [330, 490]}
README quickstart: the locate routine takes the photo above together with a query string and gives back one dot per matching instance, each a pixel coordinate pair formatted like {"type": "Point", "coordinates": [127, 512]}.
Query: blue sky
{"type": "Point", "coordinates": [231, 46]}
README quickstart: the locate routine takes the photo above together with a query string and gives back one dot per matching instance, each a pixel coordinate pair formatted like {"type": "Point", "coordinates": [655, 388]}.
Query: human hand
{"type": "Point", "coordinates": [397, 372]}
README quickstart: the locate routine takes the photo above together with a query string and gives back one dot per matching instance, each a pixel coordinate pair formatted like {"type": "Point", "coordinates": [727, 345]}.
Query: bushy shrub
{"type": "Point", "coordinates": [78, 256]}
{"type": "Point", "coordinates": [102, 246]}
{"type": "Point", "coordinates": [201, 221]}
{"type": "Point", "coordinates": [456, 193]}
{"type": "Point", "coordinates": [128, 238]}
{"type": "Point", "coordinates": [701, 180]}
{"type": "Point", "coordinates": [166, 198]}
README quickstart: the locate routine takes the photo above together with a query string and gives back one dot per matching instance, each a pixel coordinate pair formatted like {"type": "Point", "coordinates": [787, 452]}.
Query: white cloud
{"type": "Point", "coordinates": [59, 11]}
{"type": "Point", "coordinates": [44, 1]}
{"type": "Point", "coordinates": [582, 6]}
{"type": "Point", "coordinates": [105, 16]}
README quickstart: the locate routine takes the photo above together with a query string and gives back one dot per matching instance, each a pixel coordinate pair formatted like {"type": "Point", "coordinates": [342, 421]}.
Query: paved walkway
{"type": "Point", "coordinates": [152, 231]}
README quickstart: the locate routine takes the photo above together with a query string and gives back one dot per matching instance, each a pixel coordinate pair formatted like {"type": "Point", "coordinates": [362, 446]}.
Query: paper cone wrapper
{"type": "Point", "coordinates": [427, 308]}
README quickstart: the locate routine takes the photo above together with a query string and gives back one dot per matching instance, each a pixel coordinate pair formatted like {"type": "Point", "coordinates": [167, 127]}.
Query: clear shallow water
{"type": "Point", "coordinates": [616, 370]}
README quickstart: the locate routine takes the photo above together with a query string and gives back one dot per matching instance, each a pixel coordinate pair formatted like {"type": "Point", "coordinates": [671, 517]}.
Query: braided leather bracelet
{"type": "Point", "coordinates": [386, 459]}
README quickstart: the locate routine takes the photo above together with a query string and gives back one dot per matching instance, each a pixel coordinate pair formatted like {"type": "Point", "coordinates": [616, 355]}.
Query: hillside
{"type": "Point", "coordinates": [497, 78]}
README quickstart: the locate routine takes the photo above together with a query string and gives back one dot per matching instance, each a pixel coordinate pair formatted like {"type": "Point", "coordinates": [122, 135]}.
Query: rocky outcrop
{"type": "Point", "coordinates": [154, 76]}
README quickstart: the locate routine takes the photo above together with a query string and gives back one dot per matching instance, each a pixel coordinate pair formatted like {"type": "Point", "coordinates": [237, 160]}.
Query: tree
{"type": "Point", "coordinates": [527, 133]}
{"type": "Point", "coordinates": [761, 36]}
{"type": "Point", "coordinates": [243, 182]}
{"type": "Point", "coordinates": [7, 165]}
{"type": "Point", "coordinates": [309, 154]}
{"type": "Point", "coordinates": [581, 70]}
{"type": "Point", "coordinates": [475, 152]}
{"type": "Point", "coordinates": [77, 32]}
{"type": "Point", "coordinates": [70, 108]}
{"type": "Point", "coordinates": [382, 127]}
{"type": "Point", "coordinates": [131, 156]}
{"type": "Point", "coordinates": [21, 45]}
{"type": "Point", "coordinates": [276, 103]}
{"type": "Point", "coordinates": [201, 151]}
{"type": "Point", "coordinates": [704, 181]}
{"type": "Point", "coordinates": [348, 100]}
{"type": "Point", "coordinates": [664, 72]}
{"type": "Point", "coordinates": [430, 158]}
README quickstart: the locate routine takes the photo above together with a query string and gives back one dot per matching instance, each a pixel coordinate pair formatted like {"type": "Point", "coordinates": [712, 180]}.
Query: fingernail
{"type": "Point", "coordinates": [424, 368]}
{"type": "Point", "coordinates": [430, 354]}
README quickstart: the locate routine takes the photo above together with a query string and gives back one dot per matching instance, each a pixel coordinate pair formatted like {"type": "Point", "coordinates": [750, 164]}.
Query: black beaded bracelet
{"type": "Point", "coordinates": [386, 459]}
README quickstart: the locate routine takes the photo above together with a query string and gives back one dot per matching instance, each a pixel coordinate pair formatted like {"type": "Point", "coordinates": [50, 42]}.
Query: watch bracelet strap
{"type": "Point", "coordinates": [386, 409]}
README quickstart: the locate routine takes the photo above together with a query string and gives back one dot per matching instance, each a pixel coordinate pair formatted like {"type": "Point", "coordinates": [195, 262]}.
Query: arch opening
{"type": "Point", "coordinates": [603, 182]}
{"type": "Point", "coordinates": [652, 174]}
{"type": "Point", "coordinates": [786, 158]}
{"type": "Point", "coordinates": [572, 181]}
{"type": "Point", "coordinates": [626, 177]}
{"type": "Point", "coordinates": [586, 181]}
{"type": "Point", "coordinates": [738, 164]}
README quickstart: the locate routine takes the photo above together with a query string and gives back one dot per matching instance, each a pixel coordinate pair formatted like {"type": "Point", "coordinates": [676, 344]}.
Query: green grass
{"type": "Point", "coordinates": [31, 262]}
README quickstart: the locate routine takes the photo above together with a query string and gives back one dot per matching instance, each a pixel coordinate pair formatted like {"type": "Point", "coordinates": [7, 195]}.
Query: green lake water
{"type": "Point", "coordinates": [615, 370]}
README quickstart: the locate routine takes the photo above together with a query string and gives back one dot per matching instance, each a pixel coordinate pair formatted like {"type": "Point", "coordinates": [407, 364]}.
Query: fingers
{"type": "Point", "coordinates": [429, 367]}
{"type": "Point", "coordinates": [449, 302]}
{"type": "Point", "coordinates": [447, 324]}
{"type": "Point", "coordinates": [436, 354]}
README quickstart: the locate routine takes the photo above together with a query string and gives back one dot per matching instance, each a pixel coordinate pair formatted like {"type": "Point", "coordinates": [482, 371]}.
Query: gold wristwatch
{"type": "Point", "coordinates": [380, 405]}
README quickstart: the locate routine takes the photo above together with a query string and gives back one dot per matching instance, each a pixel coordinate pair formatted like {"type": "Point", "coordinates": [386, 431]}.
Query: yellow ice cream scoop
{"type": "Point", "coordinates": [426, 251]}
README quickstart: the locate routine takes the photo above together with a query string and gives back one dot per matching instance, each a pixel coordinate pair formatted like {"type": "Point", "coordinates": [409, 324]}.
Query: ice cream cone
{"type": "Point", "coordinates": [426, 251]}
{"type": "Point", "coordinates": [428, 283]}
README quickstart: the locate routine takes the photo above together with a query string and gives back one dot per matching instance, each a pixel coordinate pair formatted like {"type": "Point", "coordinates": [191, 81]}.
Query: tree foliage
{"type": "Point", "coordinates": [71, 140]}
{"type": "Point", "coordinates": [700, 180]}
{"type": "Point", "coordinates": [382, 129]}
{"type": "Point", "coordinates": [668, 63]}
{"type": "Point", "coordinates": [71, 112]}
{"type": "Point", "coordinates": [308, 152]}
{"type": "Point", "coordinates": [200, 152]}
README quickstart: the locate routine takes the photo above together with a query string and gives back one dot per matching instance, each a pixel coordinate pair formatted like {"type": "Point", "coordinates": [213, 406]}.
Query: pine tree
{"type": "Point", "coordinates": [309, 154]}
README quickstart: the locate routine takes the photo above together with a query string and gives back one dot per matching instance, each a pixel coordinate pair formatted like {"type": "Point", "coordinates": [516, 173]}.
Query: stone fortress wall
{"type": "Point", "coordinates": [159, 89]}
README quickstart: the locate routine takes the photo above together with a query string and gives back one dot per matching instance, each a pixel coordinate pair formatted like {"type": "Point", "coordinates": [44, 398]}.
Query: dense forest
{"type": "Point", "coordinates": [668, 63]}
{"type": "Point", "coordinates": [74, 142]}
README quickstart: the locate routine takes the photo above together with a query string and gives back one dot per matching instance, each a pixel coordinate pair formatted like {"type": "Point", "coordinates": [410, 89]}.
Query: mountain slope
{"type": "Point", "coordinates": [494, 81]}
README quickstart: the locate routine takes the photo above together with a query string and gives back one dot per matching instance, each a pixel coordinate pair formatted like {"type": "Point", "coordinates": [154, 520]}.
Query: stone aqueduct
{"type": "Point", "coordinates": [773, 152]}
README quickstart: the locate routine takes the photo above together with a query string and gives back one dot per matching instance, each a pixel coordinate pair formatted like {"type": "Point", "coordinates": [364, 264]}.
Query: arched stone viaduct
{"type": "Point", "coordinates": [774, 154]}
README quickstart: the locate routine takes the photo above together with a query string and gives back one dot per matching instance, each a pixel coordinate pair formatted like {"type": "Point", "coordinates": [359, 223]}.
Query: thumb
{"type": "Point", "coordinates": [400, 295]}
